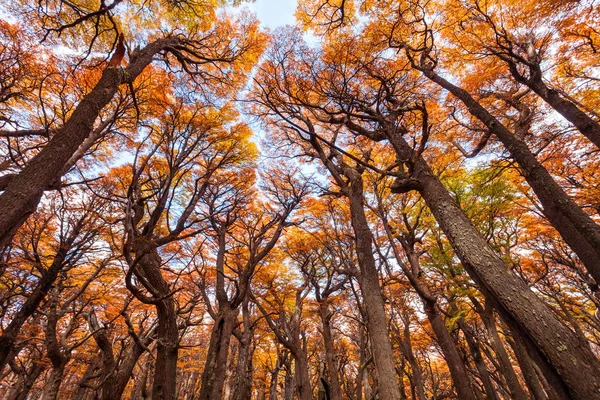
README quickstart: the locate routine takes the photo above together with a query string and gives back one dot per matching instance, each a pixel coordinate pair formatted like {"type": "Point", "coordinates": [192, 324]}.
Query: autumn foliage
{"type": "Point", "coordinates": [389, 200]}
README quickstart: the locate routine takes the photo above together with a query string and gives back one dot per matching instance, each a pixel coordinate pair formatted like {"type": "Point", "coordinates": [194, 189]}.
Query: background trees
{"type": "Point", "coordinates": [404, 208]}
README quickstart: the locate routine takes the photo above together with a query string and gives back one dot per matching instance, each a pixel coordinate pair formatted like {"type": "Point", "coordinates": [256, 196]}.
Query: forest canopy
{"type": "Point", "coordinates": [385, 200]}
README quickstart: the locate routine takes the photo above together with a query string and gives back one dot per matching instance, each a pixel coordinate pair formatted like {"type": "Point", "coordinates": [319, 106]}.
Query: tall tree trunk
{"type": "Point", "coordinates": [383, 356]}
{"type": "Point", "coordinates": [302, 377]}
{"type": "Point", "coordinates": [569, 110]}
{"type": "Point", "coordinates": [331, 363]}
{"type": "Point", "coordinates": [528, 369]}
{"type": "Point", "coordinates": [164, 385]}
{"type": "Point", "coordinates": [578, 230]}
{"type": "Point", "coordinates": [28, 380]}
{"type": "Point", "coordinates": [215, 367]}
{"type": "Point", "coordinates": [510, 295]}
{"type": "Point", "coordinates": [417, 375]}
{"type": "Point", "coordinates": [514, 386]}
{"type": "Point", "coordinates": [35, 298]}
{"type": "Point", "coordinates": [484, 374]}
{"type": "Point", "coordinates": [24, 191]}
{"type": "Point", "coordinates": [458, 372]}
{"type": "Point", "coordinates": [243, 375]}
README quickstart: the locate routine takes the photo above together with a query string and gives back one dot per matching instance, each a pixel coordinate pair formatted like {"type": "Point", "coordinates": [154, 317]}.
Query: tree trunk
{"type": "Point", "coordinates": [583, 122]}
{"type": "Point", "coordinates": [514, 386]}
{"type": "Point", "coordinates": [458, 372]}
{"type": "Point", "coordinates": [528, 369]}
{"type": "Point", "coordinates": [331, 363]}
{"type": "Point", "coordinates": [302, 378]}
{"type": "Point", "coordinates": [164, 385]}
{"type": "Point", "coordinates": [484, 374]}
{"type": "Point", "coordinates": [215, 367]}
{"type": "Point", "coordinates": [28, 381]}
{"type": "Point", "coordinates": [383, 356]}
{"type": "Point", "coordinates": [9, 335]}
{"type": "Point", "coordinates": [578, 230]}
{"type": "Point", "coordinates": [417, 375]}
{"type": "Point", "coordinates": [24, 191]}
{"type": "Point", "coordinates": [510, 295]}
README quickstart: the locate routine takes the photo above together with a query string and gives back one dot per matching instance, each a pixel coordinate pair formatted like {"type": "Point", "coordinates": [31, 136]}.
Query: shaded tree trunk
{"type": "Point", "coordinates": [215, 367]}
{"type": "Point", "coordinates": [24, 191]}
{"type": "Point", "coordinates": [510, 296]}
{"type": "Point", "coordinates": [331, 363]}
{"type": "Point", "coordinates": [578, 230]}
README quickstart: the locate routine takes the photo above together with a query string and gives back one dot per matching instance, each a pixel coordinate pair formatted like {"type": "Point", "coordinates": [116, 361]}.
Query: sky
{"type": "Point", "coordinates": [274, 13]}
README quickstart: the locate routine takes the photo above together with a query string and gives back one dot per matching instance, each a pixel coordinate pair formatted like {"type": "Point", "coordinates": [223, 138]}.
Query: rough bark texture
{"type": "Point", "coordinates": [164, 384]}
{"type": "Point", "coordinates": [578, 230]}
{"type": "Point", "coordinates": [377, 324]}
{"type": "Point", "coordinates": [24, 191]}
{"type": "Point", "coordinates": [215, 368]}
{"type": "Point", "coordinates": [558, 346]}
{"type": "Point", "coordinates": [583, 122]}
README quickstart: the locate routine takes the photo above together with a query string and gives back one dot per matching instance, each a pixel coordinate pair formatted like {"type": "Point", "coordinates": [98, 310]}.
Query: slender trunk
{"type": "Point", "coordinates": [578, 230]}
{"type": "Point", "coordinates": [118, 382]}
{"type": "Point", "coordinates": [215, 367]}
{"type": "Point", "coordinates": [331, 363]}
{"type": "Point", "coordinates": [514, 386]}
{"type": "Point", "coordinates": [9, 335]}
{"type": "Point", "coordinates": [24, 191]}
{"type": "Point", "coordinates": [290, 382]}
{"type": "Point", "coordinates": [28, 381]}
{"type": "Point", "coordinates": [383, 356]}
{"type": "Point", "coordinates": [417, 375]}
{"type": "Point", "coordinates": [484, 374]}
{"type": "Point", "coordinates": [583, 122]}
{"type": "Point", "coordinates": [458, 372]}
{"type": "Point", "coordinates": [528, 369]}
{"type": "Point", "coordinates": [273, 387]}
{"type": "Point", "coordinates": [516, 303]}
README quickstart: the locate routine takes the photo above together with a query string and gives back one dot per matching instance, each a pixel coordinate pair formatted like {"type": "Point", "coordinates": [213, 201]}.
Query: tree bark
{"type": "Point", "coordinates": [331, 363]}
{"type": "Point", "coordinates": [24, 191]}
{"type": "Point", "coordinates": [578, 230]}
{"type": "Point", "coordinates": [215, 367]}
{"type": "Point", "coordinates": [510, 295]}
{"type": "Point", "coordinates": [164, 386]}
{"type": "Point", "coordinates": [583, 122]}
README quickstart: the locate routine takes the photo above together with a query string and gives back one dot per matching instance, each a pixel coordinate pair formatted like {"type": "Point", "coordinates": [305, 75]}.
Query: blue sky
{"type": "Point", "coordinates": [274, 13]}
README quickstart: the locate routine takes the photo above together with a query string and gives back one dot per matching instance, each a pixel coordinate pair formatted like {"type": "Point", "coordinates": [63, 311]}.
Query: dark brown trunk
{"type": "Point", "coordinates": [512, 381]}
{"type": "Point", "coordinates": [118, 382]}
{"type": "Point", "coordinates": [331, 363]}
{"type": "Point", "coordinates": [383, 356]}
{"type": "Point", "coordinates": [24, 191]}
{"type": "Point", "coordinates": [528, 369]}
{"type": "Point", "coordinates": [215, 367]}
{"type": "Point", "coordinates": [479, 362]}
{"type": "Point", "coordinates": [302, 377]}
{"type": "Point", "coordinates": [509, 294]}
{"type": "Point", "coordinates": [458, 372]}
{"type": "Point", "coordinates": [583, 122]}
{"type": "Point", "coordinates": [243, 375]}
{"type": "Point", "coordinates": [164, 385]}
{"type": "Point", "coordinates": [418, 386]}
{"type": "Point", "coordinates": [578, 230]}
{"type": "Point", "coordinates": [9, 335]}
{"type": "Point", "coordinates": [28, 381]}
